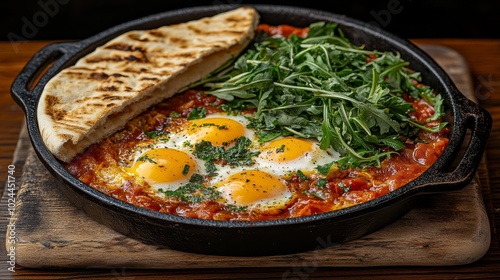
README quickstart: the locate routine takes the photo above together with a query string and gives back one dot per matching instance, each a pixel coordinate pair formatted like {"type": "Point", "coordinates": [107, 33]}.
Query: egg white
{"type": "Point", "coordinates": [183, 141]}
{"type": "Point", "coordinates": [180, 140]}
{"type": "Point", "coordinates": [306, 163]}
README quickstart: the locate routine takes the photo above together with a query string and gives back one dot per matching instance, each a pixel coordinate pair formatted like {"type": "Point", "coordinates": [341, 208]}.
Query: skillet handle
{"type": "Point", "coordinates": [478, 121]}
{"type": "Point", "coordinates": [26, 86]}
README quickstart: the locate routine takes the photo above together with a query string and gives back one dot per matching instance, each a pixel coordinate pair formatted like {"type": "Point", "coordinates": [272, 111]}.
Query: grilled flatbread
{"type": "Point", "coordinates": [89, 101]}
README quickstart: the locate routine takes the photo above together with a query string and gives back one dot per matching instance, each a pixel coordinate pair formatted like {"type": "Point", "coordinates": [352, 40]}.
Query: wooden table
{"type": "Point", "coordinates": [483, 57]}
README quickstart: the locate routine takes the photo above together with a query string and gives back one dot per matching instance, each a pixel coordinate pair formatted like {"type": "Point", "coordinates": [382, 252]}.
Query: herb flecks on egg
{"type": "Point", "coordinates": [295, 126]}
{"type": "Point", "coordinates": [324, 87]}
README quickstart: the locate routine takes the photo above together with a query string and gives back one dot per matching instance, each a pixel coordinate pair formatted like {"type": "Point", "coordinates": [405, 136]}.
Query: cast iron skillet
{"type": "Point", "coordinates": [263, 237]}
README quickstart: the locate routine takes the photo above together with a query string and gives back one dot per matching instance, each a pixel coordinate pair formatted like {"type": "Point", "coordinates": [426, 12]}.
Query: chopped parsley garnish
{"type": "Point", "coordinates": [236, 208]}
{"type": "Point", "coordinates": [237, 155]}
{"type": "Point", "coordinates": [302, 176]}
{"type": "Point", "coordinates": [174, 114]}
{"type": "Point", "coordinates": [343, 187]}
{"type": "Point", "coordinates": [324, 87]}
{"type": "Point", "coordinates": [146, 158]}
{"type": "Point", "coordinates": [321, 182]}
{"type": "Point", "coordinates": [281, 149]}
{"type": "Point", "coordinates": [324, 169]}
{"type": "Point", "coordinates": [194, 191]}
{"type": "Point", "coordinates": [313, 193]}
{"type": "Point", "coordinates": [197, 113]}
{"type": "Point", "coordinates": [220, 127]}
{"type": "Point", "coordinates": [196, 178]}
{"type": "Point", "coordinates": [155, 134]}
{"type": "Point", "coordinates": [185, 170]}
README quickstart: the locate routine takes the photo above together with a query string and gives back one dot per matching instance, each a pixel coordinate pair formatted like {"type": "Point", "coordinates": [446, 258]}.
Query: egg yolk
{"type": "Point", "coordinates": [164, 165]}
{"type": "Point", "coordinates": [215, 130]}
{"type": "Point", "coordinates": [285, 149]}
{"type": "Point", "coordinates": [252, 187]}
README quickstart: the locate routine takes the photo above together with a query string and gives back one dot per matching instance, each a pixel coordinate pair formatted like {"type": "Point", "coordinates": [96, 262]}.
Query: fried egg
{"type": "Point", "coordinates": [255, 190]}
{"type": "Point", "coordinates": [219, 129]}
{"type": "Point", "coordinates": [168, 163]}
{"type": "Point", "coordinates": [289, 154]}
{"type": "Point", "coordinates": [165, 168]}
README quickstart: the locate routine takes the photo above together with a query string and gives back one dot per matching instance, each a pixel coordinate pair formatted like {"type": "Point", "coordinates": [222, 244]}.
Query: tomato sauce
{"type": "Point", "coordinates": [282, 30]}
{"type": "Point", "coordinates": [344, 187]}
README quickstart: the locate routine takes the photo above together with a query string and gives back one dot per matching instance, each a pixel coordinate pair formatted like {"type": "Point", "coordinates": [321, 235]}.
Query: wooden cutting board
{"type": "Point", "coordinates": [450, 229]}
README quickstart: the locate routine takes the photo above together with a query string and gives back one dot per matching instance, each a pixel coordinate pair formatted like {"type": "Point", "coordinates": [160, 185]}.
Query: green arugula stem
{"type": "Point", "coordinates": [346, 97]}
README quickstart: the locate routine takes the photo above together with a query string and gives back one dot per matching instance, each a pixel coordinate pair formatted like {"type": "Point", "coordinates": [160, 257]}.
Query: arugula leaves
{"type": "Point", "coordinates": [323, 86]}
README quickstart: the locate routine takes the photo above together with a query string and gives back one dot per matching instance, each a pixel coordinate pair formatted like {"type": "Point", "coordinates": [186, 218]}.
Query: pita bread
{"type": "Point", "coordinates": [89, 101]}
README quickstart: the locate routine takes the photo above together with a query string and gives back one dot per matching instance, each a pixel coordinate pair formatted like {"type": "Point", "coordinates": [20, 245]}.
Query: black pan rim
{"type": "Point", "coordinates": [410, 189]}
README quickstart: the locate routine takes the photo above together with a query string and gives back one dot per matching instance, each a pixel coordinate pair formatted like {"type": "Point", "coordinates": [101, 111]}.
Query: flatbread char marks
{"type": "Point", "coordinates": [86, 102]}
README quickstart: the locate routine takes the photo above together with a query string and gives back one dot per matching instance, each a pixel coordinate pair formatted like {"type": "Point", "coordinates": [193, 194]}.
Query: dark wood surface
{"type": "Point", "coordinates": [483, 58]}
{"type": "Point", "coordinates": [450, 229]}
